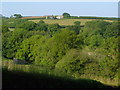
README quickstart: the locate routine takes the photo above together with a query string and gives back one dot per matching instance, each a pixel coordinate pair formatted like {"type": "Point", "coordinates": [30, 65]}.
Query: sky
{"type": "Point", "coordinates": [99, 9]}
{"type": "Point", "coordinates": [60, 0]}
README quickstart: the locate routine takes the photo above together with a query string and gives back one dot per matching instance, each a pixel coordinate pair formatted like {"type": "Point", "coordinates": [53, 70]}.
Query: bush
{"type": "Point", "coordinates": [29, 25]}
{"type": "Point", "coordinates": [74, 61]}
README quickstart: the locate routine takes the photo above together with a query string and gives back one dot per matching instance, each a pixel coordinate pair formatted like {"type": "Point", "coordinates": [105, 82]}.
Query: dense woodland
{"type": "Point", "coordinates": [91, 50]}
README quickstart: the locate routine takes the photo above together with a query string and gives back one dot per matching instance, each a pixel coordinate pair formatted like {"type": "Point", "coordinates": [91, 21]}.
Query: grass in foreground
{"type": "Point", "coordinates": [19, 79]}
{"type": "Point", "coordinates": [35, 70]}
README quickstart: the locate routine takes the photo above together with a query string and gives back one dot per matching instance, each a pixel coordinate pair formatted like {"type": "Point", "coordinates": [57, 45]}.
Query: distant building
{"type": "Point", "coordinates": [59, 17]}
{"type": "Point", "coordinates": [50, 17]}
{"type": "Point", "coordinates": [54, 17]}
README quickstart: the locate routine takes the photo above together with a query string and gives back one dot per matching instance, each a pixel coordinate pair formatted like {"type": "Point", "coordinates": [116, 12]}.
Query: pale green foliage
{"type": "Point", "coordinates": [74, 61]}
{"type": "Point", "coordinates": [53, 49]}
{"type": "Point", "coordinates": [26, 49]}
{"type": "Point", "coordinates": [11, 42]}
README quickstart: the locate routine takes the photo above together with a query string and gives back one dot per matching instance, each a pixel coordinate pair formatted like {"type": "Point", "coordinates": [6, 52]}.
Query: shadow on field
{"type": "Point", "coordinates": [15, 79]}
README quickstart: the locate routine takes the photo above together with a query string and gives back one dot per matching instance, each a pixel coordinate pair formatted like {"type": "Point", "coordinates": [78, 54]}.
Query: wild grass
{"type": "Point", "coordinates": [23, 80]}
{"type": "Point", "coordinates": [57, 78]}
{"type": "Point", "coordinates": [10, 66]}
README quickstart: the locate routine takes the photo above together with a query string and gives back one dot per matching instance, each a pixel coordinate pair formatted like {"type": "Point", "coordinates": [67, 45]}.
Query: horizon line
{"type": "Point", "coordinates": [72, 15]}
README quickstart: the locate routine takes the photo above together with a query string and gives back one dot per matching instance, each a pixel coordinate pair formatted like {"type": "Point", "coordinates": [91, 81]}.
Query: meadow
{"type": "Point", "coordinates": [66, 21]}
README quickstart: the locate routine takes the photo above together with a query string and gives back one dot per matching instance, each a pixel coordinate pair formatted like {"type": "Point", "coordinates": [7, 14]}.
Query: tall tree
{"type": "Point", "coordinates": [17, 15]}
{"type": "Point", "coordinates": [66, 15]}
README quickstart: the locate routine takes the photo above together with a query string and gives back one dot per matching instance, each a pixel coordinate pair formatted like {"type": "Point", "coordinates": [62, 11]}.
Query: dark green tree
{"type": "Point", "coordinates": [112, 30]}
{"type": "Point", "coordinates": [11, 42]}
{"type": "Point", "coordinates": [41, 26]}
{"type": "Point", "coordinates": [17, 15]}
{"type": "Point", "coordinates": [29, 25]}
{"type": "Point", "coordinates": [66, 15]}
{"type": "Point", "coordinates": [75, 27]}
{"type": "Point", "coordinates": [53, 28]}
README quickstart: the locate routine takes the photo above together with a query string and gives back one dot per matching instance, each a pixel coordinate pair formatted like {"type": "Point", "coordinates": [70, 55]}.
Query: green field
{"type": "Point", "coordinates": [66, 21]}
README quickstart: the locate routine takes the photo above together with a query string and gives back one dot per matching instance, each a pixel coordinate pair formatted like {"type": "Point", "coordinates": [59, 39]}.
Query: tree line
{"type": "Point", "coordinates": [68, 16]}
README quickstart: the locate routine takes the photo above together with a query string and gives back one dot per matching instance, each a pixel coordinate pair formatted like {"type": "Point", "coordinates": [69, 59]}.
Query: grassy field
{"type": "Point", "coordinates": [26, 76]}
{"type": "Point", "coordinates": [66, 21]}
{"type": "Point", "coordinates": [57, 79]}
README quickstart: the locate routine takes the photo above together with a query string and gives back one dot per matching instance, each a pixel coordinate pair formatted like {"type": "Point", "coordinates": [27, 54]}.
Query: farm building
{"type": "Point", "coordinates": [59, 17]}
{"type": "Point", "coordinates": [50, 17]}
{"type": "Point", "coordinates": [54, 17]}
